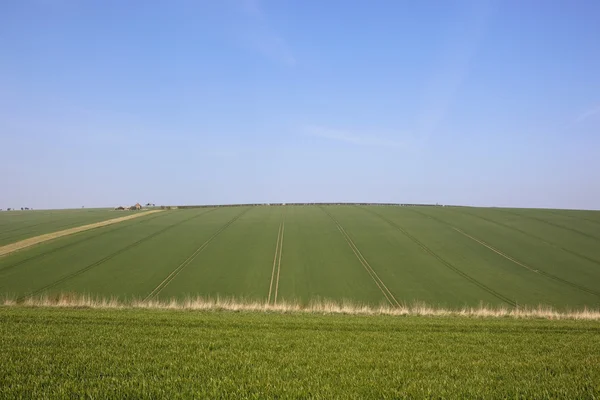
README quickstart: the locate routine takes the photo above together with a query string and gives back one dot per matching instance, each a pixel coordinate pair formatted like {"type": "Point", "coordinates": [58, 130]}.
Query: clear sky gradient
{"type": "Point", "coordinates": [105, 103]}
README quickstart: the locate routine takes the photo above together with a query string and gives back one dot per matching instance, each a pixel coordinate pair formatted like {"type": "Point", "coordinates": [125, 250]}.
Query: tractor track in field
{"type": "Point", "coordinates": [277, 261]}
{"type": "Point", "coordinates": [389, 296]}
{"type": "Point", "coordinates": [574, 217]}
{"type": "Point", "coordinates": [101, 233]}
{"type": "Point", "coordinates": [537, 271]}
{"type": "Point", "coordinates": [107, 258]}
{"type": "Point", "coordinates": [535, 237]}
{"type": "Point", "coordinates": [512, 259]}
{"type": "Point", "coordinates": [444, 262]}
{"type": "Point", "coordinates": [551, 224]}
{"type": "Point", "coordinates": [191, 258]}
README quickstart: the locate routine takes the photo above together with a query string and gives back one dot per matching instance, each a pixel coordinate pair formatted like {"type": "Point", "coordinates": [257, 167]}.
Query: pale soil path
{"type": "Point", "coordinates": [9, 248]}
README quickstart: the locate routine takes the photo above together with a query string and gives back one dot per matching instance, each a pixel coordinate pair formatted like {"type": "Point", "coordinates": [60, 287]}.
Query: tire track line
{"type": "Point", "coordinates": [274, 262]}
{"type": "Point", "coordinates": [279, 262]}
{"type": "Point", "coordinates": [191, 258]}
{"type": "Point", "coordinates": [366, 267]}
{"type": "Point", "coordinates": [100, 233]}
{"type": "Point", "coordinates": [537, 271]}
{"type": "Point", "coordinates": [378, 281]}
{"type": "Point", "coordinates": [481, 242]}
{"type": "Point", "coordinates": [577, 217]}
{"type": "Point", "coordinates": [107, 258]}
{"type": "Point", "coordinates": [546, 274]}
{"type": "Point", "coordinates": [444, 262]}
{"type": "Point", "coordinates": [534, 236]}
{"type": "Point", "coordinates": [551, 224]}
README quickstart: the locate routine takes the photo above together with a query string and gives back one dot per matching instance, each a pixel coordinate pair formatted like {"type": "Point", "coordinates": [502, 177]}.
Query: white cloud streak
{"type": "Point", "coordinates": [587, 114]}
{"type": "Point", "coordinates": [263, 38]}
{"type": "Point", "coordinates": [454, 64]}
{"type": "Point", "coordinates": [354, 138]}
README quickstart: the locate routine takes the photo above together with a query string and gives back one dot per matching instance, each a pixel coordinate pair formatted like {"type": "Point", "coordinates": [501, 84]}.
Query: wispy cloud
{"type": "Point", "coordinates": [587, 114]}
{"type": "Point", "coordinates": [263, 38]}
{"type": "Point", "coordinates": [273, 47]}
{"type": "Point", "coordinates": [360, 139]}
{"type": "Point", "coordinates": [453, 66]}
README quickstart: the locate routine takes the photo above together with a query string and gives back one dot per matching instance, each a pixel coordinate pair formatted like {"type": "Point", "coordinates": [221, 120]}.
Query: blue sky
{"type": "Point", "coordinates": [187, 102]}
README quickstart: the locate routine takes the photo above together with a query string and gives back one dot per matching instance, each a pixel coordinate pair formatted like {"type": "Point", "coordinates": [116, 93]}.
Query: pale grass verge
{"type": "Point", "coordinates": [71, 300]}
{"type": "Point", "coordinates": [9, 248]}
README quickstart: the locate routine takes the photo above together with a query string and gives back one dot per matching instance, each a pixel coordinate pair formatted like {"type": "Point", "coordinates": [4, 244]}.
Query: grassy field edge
{"type": "Point", "coordinates": [321, 306]}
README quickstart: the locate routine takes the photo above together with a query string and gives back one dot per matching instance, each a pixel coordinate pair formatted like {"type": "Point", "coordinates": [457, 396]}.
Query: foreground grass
{"type": "Point", "coordinates": [150, 353]}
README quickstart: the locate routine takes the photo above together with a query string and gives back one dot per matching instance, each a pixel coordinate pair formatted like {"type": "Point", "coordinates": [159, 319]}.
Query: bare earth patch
{"type": "Point", "coordinates": [9, 248]}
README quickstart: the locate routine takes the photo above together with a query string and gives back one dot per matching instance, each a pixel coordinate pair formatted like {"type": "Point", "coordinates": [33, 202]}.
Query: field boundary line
{"type": "Point", "coordinates": [108, 257]}
{"type": "Point", "coordinates": [444, 262]}
{"type": "Point", "coordinates": [537, 271]}
{"type": "Point", "coordinates": [274, 262]}
{"type": "Point", "coordinates": [54, 250]}
{"type": "Point", "coordinates": [22, 244]}
{"type": "Point", "coordinates": [534, 236]}
{"type": "Point", "coordinates": [191, 258]}
{"type": "Point", "coordinates": [279, 262]}
{"type": "Point", "coordinates": [378, 281]}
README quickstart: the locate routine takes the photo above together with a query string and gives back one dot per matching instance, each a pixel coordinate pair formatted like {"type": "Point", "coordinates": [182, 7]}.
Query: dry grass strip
{"type": "Point", "coordinates": [74, 300]}
{"type": "Point", "coordinates": [9, 248]}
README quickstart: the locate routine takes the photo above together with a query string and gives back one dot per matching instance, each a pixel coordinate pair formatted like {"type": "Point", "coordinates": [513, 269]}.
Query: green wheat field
{"type": "Point", "coordinates": [267, 267]}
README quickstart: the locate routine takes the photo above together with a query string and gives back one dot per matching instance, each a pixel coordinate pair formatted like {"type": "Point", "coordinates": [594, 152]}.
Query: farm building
{"type": "Point", "coordinates": [137, 206]}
